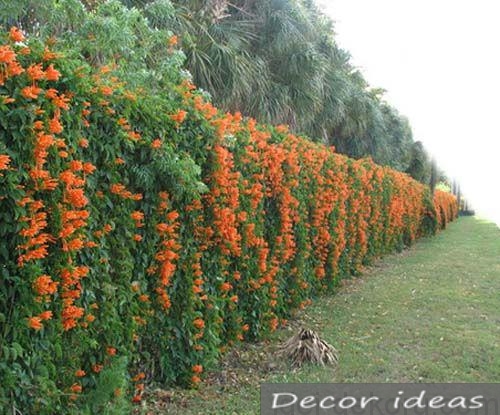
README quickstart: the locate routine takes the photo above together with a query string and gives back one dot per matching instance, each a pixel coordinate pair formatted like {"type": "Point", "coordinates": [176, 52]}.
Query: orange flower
{"type": "Point", "coordinates": [134, 136]}
{"type": "Point", "coordinates": [38, 125]}
{"type": "Point", "coordinates": [273, 324]}
{"type": "Point", "coordinates": [144, 298]}
{"type": "Point", "coordinates": [136, 399]}
{"type": "Point", "coordinates": [15, 34]}
{"type": "Point", "coordinates": [106, 90]}
{"type": "Point", "coordinates": [75, 165]}
{"type": "Point", "coordinates": [48, 55]}
{"type": "Point", "coordinates": [119, 160]}
{"type": "Point", "coordinates": [163, 228]}
{"type": "Point", "coordinates": [68, 324]}
{"type": "Point", "coordinates": [52, 74]}
{"type": "Point", "coordinates": [137, 215]}
{"type": "Point", "coordinates": [172, 41]}
{"type": "Point", "coordinates": [44, 285]}
{"type": "Point", "coordinates": [31, 92]}
{"type": "Point", "coordinates": [195, 379]}
{"type": "Point", "coordinates": [156, 144]}
{"type": "Point", "coordinates": [7, 55]}
{"type": "Point", "coordinates": [80, 373]}
{"type": "Point", "coordinates": [14, 69]}
{"type": "Point", "coordinates": [84, 143]}
{"type": "Point", "coordinates": [69, 315]}
{"type": "Point", "coordinates": [69, 178]}
{"type": "Point", "coordinates": [51, 93]}
{"type": "Point", "coordinates": [35, 72]}
{"type": "Point", "coordinates": [88, 168]}
{"type": "Point", "coordinates": [72, 312]}
{"type": "Point", "coordinates": [76, 388]}
{"type": "Point", "coordinates": [117, 188]}
{"type": "Point", "coordinates": [35, 323]}
{"type": "Point", "coordinates": [81, 272]}
{"type": "Point", "coordinates": [199, 323]}
{"type": "Point", "coordinates": [171, 216]}
{"type": "Point", "coordinates": [55, 126]}
{"type": "Point", "coordinates": [226, 286]}
{"type": "Point", "coordinates": [197, 368]}
{"type": "Point", "coordinates": [4, 161]}
{"type": "Point", "coordinates": [76, 198]}
{"type": "Point", "coordinates": [137, 237]}
{"type": "Point", "coordinates": [45, 315]}
{"type": "Point", "coordinates": [111, 351]}
{"type": "Point", "coordinates": [139, 377]}
{"type": "Point", "coordinates": [97, 368]}
{"type": "Point", "coordinates": [179, 116]}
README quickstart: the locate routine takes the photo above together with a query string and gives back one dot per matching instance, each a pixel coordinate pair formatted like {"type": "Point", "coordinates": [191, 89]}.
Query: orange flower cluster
{"type": "Point", "coordinates": [9, 66]}
{"type": "Point", "coordinates": [446, 207]}
{"type": "Point", "coordinates": [44, 285]}
{"type": "Point", "coordinates": [225, 201]}
{"type": "Point", "coordinates": [37, 241]}
{"type": "Point", "coordinates": [36, 246]}
{"type": "Point", "coordinates": [206, 108]}
{"type": "Point", "coordinates": [121, 190]}
{"type": "Point", "coordinates": [35, 323]}
{"type": "Point", "coordinates": [167, 254]}
{"type": "Point", "coordinates": [73, 214]}
{"type": "Point", "coordinates": [172, 41]}
{"type": "Point", "coordinates": [138, 217]}
{"type": "Point", "coordinates": [15, 34]}
{"type": "Point", "coordinates": [156, 144]}
{"type": "Point", "coordinates": [4, 161]}
{"type": "Point", "coordinates": [179, 117]}
{"type": "Point", "coordinates": [227, 125]}
{"type": "Point", "coordinates": [139, 387]}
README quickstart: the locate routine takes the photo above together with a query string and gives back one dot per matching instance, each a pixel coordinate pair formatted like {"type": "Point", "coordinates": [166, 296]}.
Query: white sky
{"type": "Point", "coordinates": [439, 61]}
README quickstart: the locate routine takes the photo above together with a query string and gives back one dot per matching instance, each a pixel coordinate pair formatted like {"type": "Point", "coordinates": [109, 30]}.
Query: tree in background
{"type": "Point", "coordinates": [274, 60]}
{"type": "Point", "coordinates": [420, 166]}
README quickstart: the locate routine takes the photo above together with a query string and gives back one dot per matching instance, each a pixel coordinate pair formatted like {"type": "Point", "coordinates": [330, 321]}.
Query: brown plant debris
{"type": "Point", "coordinates": [307, 347]}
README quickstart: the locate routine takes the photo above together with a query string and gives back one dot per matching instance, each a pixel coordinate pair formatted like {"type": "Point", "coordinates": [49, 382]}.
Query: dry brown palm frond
{"type": "Point", "coordinates": [219, 10]}
{"type": "Point", "coordinates": [307, 347]}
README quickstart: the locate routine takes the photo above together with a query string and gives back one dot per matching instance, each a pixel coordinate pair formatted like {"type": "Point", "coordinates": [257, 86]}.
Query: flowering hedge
{"type": "Point", "coordinates": [446, 208]}
{"type": "Point", "coordinates": [143, 233]}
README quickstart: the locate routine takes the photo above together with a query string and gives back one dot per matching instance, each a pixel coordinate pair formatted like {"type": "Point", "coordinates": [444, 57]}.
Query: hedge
{"type": "Point", "coordinates": [142, 234]}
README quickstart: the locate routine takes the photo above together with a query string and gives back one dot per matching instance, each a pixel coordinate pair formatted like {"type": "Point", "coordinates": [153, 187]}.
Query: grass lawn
{"type": "Point", "coordinates": [429, 314]}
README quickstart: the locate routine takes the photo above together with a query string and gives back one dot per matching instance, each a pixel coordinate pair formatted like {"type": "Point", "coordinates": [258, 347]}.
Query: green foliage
{"type": "Point", "coordinates": [420, 165]}
{"type": "Point", "coordinates": [108, 397]}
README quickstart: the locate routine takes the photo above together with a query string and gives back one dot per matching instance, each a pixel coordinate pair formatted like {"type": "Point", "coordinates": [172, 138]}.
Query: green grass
{"type": "Point", "coordinates": [429, 314]}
